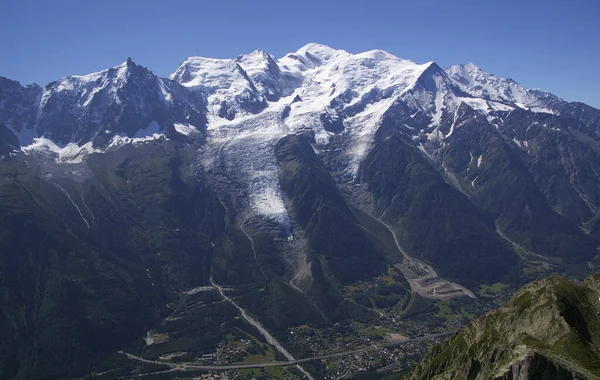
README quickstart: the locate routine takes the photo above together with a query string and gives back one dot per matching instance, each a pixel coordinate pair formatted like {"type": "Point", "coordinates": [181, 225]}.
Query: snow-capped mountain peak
{"type": "Point", "coordinates": [256, 63]}
{"type": "Point", "coordinates": [464, 69]}
{"type": "Point", "coordinates": [324, 78]}
{"type": "Point", "coordinates": [380, 55]}
{"type": "Point", "coordinates": [480, 84]}
{"type": "Point", "coordinates": [122, 100]}
{"type": "Point", "coordinates": [323, 52]}
{"type": "Point", "coordinates": [118, 73]}
{"type": "Point", "coordinates": [310, 56]}
{"type": "Point", "coordinates": [258, 58]}
{"type": "Point", "coordinates": [225, 84]}
{"type": "Point", "coordinates": [87, 87]}
{"type": "Point", "coordinates": [209, 74]}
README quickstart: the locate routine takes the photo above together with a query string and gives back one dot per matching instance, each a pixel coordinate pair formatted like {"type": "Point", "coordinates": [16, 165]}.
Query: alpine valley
{"type": "Point", "coordinates": [322, 215]}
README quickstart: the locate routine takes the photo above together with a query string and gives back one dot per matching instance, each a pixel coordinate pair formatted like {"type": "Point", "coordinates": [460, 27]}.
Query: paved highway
{"type": "Point", "coordinates": [195, 366]}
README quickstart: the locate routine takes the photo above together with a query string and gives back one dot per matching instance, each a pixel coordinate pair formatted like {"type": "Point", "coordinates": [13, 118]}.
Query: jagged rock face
{"type": "Point", "coordinates": [536, 366]}
{"type": "Point", "coordinates": [550, 329]}
{"type": "Point", "coordinates": [121, 100]}
{"type": "Point", "coordinates": [536, 174]}
{"type": "Point", "coordinates": [480, 84]}
{"type": "Point", "coordinates": [319, 208]}
{"type": "Point", "coordinates": [17, 104]}
{"type": "Point", "coordinates": [18, 113]}
{"type": "Point", "coordinates": [269, 79]}
{"type": "Point", "coordinates": [124, 100]}
{"type": "Point", "coordinates": [422, 206]}
{"type": "Point", "coordinates": [562, 160]}
{"type": "Point", "coordinates": [588, 116]}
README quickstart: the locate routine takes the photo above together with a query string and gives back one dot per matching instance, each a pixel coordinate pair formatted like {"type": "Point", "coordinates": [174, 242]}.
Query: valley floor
{"type": "Point", "coordinates": [390, 344]}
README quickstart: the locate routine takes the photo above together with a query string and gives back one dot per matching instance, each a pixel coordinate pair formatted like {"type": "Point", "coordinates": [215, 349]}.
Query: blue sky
{"type": "Point", "coordinates": [550, 44]}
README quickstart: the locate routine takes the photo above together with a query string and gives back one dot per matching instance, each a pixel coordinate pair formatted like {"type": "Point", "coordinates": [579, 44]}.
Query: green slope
{"type": "Point", "coordinates": [549, 330]}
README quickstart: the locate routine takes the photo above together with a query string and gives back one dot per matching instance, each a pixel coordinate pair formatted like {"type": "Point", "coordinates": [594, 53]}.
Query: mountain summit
{"type": "Point", "coordinates": [121, 100]}
{"type": "Point", "coordinates": [476, 82]}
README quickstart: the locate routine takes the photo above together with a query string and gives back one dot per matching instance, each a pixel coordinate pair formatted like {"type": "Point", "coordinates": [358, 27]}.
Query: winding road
{"type": "Point", "coordinates": [270, 339]}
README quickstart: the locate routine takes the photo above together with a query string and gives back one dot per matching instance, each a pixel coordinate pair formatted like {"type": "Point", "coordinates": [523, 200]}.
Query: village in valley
{"type": "Point", "coordinates": [401, 328]}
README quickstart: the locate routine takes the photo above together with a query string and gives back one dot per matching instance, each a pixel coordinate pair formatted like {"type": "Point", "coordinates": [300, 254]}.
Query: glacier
{"type": "Point", "coordinates": [313, 81]}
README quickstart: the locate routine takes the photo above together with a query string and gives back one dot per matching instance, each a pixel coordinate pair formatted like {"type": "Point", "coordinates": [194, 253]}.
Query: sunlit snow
{"type": "Point", "coordinates": [73, 153]}
{"type": "Point", "coordinates": [480, 84]}
{"type": "Point", "coordinates": [317, 76]}
{"type": "Point", "coordinates": [70, 153]}
{"type": "Point", "coordinates": [185, 128]}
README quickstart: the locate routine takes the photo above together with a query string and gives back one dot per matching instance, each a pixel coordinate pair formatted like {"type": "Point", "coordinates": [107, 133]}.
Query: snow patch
{"type": "Point", "coordinates": [436, 135]}
{"type": "Point", "coordinates": [70, 153]}
{"type": "Point", "coordinates": [486, 106]}
{"type": "Point", "coordinates": [74, 204]}
{"type": "Point", "coordinates": [166, 95]}
{"type": "Point", "coordinates": [120, 140]}
{"type": "Point", "coordinates": [185, 128]}
{"type": "Point", "coordinates": [543, 110]}
{"type": "Point", "coordinates": [152, 132]}
{"type": "Point", "coordinates": [422, 149]}
{"type": "Point", "coordinates": [524, 145]}
{"type": "Point", "coordinates": [363, 127]}
{"type": "Point", "coordinates": [439, 108]}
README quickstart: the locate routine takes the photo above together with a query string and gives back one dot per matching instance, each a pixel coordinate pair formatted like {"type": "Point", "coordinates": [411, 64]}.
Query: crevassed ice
{"type": "Point", "coordinates": [247, 142]}
{"type": "Point", "coordinates": [247, 147]}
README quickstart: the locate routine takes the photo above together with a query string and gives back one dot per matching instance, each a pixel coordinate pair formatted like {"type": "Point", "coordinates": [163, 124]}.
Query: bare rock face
{"type": "Point", "coordinates": [536, 366]}
{"type": "Point", "coordinates": [124, 100]}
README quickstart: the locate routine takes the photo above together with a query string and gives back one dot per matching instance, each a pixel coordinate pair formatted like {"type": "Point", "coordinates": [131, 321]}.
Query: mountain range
{"type": "Point", "coordinates": [285, 180]}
